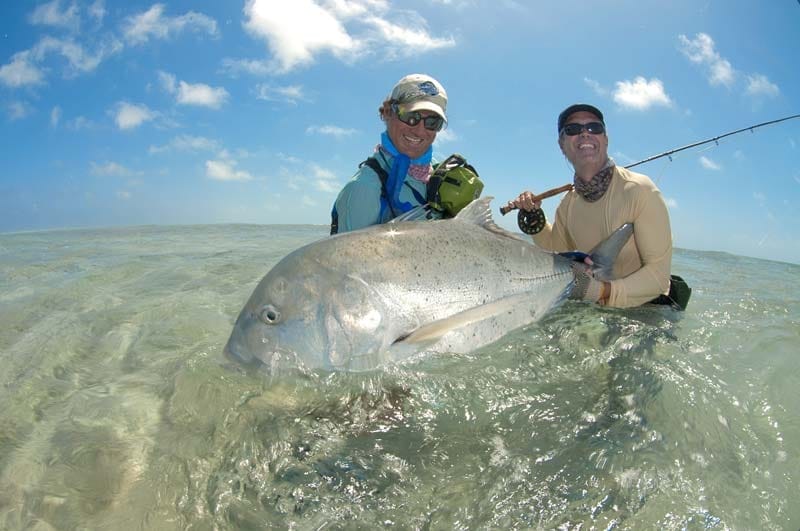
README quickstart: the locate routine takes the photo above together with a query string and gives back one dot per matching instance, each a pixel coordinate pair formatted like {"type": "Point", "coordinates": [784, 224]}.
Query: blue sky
{"type": "Point", "coordinates": [131, 113]}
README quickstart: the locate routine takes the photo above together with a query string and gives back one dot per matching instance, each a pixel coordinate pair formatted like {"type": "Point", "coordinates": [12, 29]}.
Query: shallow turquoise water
{"type": "Point", "coordinates": [120, 411]}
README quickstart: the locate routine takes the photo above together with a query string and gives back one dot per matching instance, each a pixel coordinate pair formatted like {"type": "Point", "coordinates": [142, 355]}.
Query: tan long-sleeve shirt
{"type": "Point", "coordinates": [642, 269]}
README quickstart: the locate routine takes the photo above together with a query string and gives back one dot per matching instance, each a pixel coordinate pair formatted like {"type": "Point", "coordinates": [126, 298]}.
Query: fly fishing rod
{"type": "Point", "coordinates": [534, 220]}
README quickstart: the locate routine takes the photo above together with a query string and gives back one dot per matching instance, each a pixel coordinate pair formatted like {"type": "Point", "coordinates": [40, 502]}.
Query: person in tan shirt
{"type": "Point", "coordinates": [605, 196]}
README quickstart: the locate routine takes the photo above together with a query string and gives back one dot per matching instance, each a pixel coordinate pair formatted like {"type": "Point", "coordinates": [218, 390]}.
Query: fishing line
{"type": "Point", "coordinates": [534, 220]}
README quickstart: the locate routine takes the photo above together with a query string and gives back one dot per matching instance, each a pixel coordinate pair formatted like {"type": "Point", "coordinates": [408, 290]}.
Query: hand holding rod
{"type": "Point", "coordinates": [544, 195]}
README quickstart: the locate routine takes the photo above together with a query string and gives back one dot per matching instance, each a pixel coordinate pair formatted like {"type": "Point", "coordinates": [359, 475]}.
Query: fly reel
{"type": "Point", "coordinates": [531, 221]}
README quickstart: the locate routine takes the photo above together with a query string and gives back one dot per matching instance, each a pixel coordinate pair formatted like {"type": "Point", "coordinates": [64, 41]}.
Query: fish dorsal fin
{"type": "Point", "coordinates": [479, 213]}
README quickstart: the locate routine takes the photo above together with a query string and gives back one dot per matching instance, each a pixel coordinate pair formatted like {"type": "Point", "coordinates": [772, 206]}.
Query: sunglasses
{"type": "Point", "coordinates": [434, 122]}
{"type": "Point", "coordinates": [595, 128]}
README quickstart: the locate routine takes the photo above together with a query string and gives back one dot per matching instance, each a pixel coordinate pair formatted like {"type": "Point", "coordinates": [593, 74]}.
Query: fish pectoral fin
{"type": "Point", "coordinates": [434, 331]}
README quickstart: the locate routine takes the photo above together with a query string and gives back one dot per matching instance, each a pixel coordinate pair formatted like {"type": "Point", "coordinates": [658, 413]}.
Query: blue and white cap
{"type": "Point", "coordinates": [417, 92]}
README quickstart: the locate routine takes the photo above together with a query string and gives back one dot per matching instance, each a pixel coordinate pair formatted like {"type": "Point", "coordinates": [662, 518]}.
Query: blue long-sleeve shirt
{"type": "Point", "coordinates": [359, 202]}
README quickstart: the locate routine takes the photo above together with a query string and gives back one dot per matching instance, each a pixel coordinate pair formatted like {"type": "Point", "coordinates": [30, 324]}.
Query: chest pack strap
{"type": "Point", "coordinates": [375, 166]}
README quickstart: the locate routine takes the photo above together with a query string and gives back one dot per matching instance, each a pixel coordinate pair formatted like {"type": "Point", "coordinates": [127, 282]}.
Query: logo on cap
{"type": "Point", "coordinates": [423, 90]}
{"type": "Point", "coordinates": [427, 87]}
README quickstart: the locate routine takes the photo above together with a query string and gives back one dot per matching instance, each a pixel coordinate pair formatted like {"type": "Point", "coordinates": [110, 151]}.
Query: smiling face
{"type": "Point", "coordinates": [587, 152]}
{"type": "Point", "coordinates": [409, 140]}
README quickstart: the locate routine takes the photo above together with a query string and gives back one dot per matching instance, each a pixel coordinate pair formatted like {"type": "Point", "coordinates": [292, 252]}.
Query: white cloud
{"type": "Point", "coordinates": [622, 157]}
{"type": "Point", "coordinates": [296, 32]}
{"type": "Point", "coordinates": [759, 85]}
{"type": "Point", "coordinates": [50, 14]}
{"type": "Point", "coordinates": [641, 94]}
{"type": "Point", "coordinates": [302, 175]}
{"type": "Point", "coordinates": [330, 130]}
{"type": "Point", "coordinates": [24, 67]}
{"type": "Point", "coordinates": [289, 94]}
{"type": "Point", "coordinates": [153, 24]}
{"type": "Point", "coordinates": [131, 115]}
{"type": "Point", "coordinates": [405, 39]}
{"type": "Point", "coordinates": [55, 116]}
{"type": "Point", "coordinates": [700, 50]}
{"type": "Point", "coordinates": [289, 159]}
{"type": "Point", "coordinates": [187, 143]}
{"type": "Point", "coordinates": [760, 198]}
{"type": "Point", "coordinates": [202, 95]}
{"type": "Point", "coordinates": [109, 169]}
{"type": "Point", "coordinates": [444, 136]}
{"type": "Point", "coordinates": [21, 71]}
{"type": "Point", "coordinates": [225, 170]}
{"type": "Point", "coordinates": [595, 86]}
{"type": "Point", "coordinates": [248, 66]}
{"type": "Point", "coordinates": [124, 195]}
{"type": "Point", "coordinates": [80, 123]}
{"type": "Point", "coordinates": [192, 94]}
{"type": "Point", "coordinates": [709, 164]}
{"type": "Point", "coordinates": [97, 10]}
{"type": "Point", "coordinates": [168, 82]}
{"type": "Point", "coordinates": [78, 59]}
{"type": "Point", "coordinates": [356, 8]}
{"type": "Point", "coordinates": [18, 110]}
{"type": "Point", "coordinates": [671, 203]}
{"type": "Point", "coordinates": [324, 179]}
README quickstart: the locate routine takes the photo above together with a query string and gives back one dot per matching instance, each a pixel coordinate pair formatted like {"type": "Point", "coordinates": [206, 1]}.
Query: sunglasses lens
{"type": "Point", "coordinates": [431, 123]}
{"type": "Point", "coordinates": [595, 128]}
{"type": "Point", "coordinates": [409, 118]}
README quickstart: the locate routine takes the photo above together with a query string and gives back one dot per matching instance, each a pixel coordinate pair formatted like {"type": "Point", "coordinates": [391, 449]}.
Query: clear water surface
{"type": "Point", "coordinates": [120, 412]}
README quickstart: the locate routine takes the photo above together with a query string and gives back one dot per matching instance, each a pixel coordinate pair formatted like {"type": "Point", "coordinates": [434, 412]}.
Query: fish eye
{"type": "Point", "coordinates": [269, 314]}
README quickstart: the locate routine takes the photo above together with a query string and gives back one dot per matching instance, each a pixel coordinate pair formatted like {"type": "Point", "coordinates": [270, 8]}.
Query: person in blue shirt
{"type": "Point", "coordinates": [394, 179]}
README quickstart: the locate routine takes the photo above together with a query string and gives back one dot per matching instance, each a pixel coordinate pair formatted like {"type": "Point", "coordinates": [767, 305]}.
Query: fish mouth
{"type": "Point", "coordinates": [275, 362]}
{"type": "Point", "coordinates": [236, 353]}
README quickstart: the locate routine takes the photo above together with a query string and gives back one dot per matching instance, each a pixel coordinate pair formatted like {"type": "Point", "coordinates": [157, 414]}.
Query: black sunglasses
{"type": "Point", "coordinates": [595, 128]}
{"type": "Point", "coordinates": [434, 122]}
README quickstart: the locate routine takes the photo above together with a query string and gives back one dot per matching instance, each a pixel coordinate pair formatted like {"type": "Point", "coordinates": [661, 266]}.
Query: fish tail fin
{"type": "Point", "coordinates": [606, 252]}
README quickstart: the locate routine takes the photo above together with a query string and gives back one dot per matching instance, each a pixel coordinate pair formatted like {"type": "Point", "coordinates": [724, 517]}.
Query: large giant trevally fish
{"type": "Point", "coordinates": [388, 292]}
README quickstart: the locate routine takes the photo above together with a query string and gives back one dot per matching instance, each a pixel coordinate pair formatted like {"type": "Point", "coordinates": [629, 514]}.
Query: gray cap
{"type": "Point", "coordinates": [420, 91]}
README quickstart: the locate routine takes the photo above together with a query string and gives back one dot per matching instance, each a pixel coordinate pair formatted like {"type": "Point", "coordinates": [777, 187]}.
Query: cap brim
{"type": "Point", "coordinates": [422, 105]}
